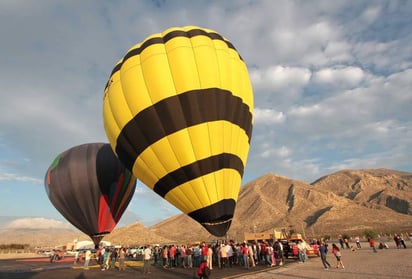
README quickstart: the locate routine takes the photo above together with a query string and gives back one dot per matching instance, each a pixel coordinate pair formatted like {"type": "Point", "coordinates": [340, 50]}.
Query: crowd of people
{"type": "Point", "coordinates": [205, 257]}
{"type": "Point", "coordinates": [345, 244]}
{"type": "Point", "coordinates": [219, 254]}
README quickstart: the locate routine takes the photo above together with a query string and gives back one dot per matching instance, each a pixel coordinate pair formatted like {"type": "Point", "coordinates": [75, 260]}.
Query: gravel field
{"type": "Point", "coordinates": [385, 264]}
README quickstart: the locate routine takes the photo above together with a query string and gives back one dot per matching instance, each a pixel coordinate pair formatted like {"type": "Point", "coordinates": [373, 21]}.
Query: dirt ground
{"type": "Point", "coordinates": [389, 263]}
{"type": "Point", "coordinates": [18, 255]}
{"type": "Point", "coordinates": [363, 263]}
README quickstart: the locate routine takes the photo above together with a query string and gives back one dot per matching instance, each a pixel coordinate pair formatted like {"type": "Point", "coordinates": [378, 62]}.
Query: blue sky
{"type": "Point", "coordinates": [332, 84]}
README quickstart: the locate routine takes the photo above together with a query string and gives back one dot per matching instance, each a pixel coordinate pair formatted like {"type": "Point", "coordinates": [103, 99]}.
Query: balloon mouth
{"type": "Point", "coordinates": [98, 237]}
{"type": "Point", "coordinates": [100, 234]}
{"type": "Point", "coordinates": [216, 218]}
{"type": "Point", "coordinates": [218, 228]}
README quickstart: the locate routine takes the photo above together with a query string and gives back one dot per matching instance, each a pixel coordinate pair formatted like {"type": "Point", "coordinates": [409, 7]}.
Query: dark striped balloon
{"type": "Point", "coordinates": [178, 112]}
{"type": "Point", "coordinates": [90, 187]}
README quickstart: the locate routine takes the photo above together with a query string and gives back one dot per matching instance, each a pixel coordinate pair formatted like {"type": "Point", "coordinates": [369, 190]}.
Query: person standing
{"type": "Point", "coordinates": [100, 256]}
{"type": "Point", "coordinates": [172, 256]}
{"type": "Point", "coordinates": [229, 250]}
{"type": "Point", "coordinates": [113, 257]}
{"type": "Point", "coordinates": [189, 256]}
{"type": "Point", "coordinates": [147, 255]}
{"type": "Point", "coordinates": [282, 252]}
{"type": "Point", "coordinates": [357, 240]}
{"type": "Point", "coordinates": [323, 250]}
{"type": "Point", "coordinates": [239, 256]}
{"type": "Point", "coordinates": [203, 271]}
{"type": "Point", "coordinates": [87, 257]}
{"type": "Point", "coordinates": [52, 255]}
{"type": "Point", "coordinates": [338, 255]}
{"type": "Point", "coordinates": [268, 253]}
{"type": "Point", "coordinates": [165, 255]}
{"type": "Point", "coordinates": [255, 253]}
{"type": "Point", "coordinates": [304, 255]}
{"type": "Point", "coordinates": [122, 257]}
{"type": "Point", "coordinates": [346, 241]}
{"type": "Point", "coordinates": [204, 252]}
{"type": "Point", "coordinates": [402, 242]}
{"type": "Point", "coordinates": [106, 259]}
{"type": "Point", "coordinates": [251, 255]}
{"type": "Point", "coordinates": [244, 250]}
{"type": "Point", "coordinates": [372, 245]}
{"type": "Point", "coordinates": [271, 252]}
{"type": "Point", "coordinates": [341, 242]}
{"type": "Point", "coordinates": [76, 257]}
{"type": "Point", "coordinates": [197, 253]}
{"type": "Point", "coordinates": [223, 256]}
{"type": "Point", "coordinates": [156, 253]}
{"type": "Point", "coordinates": [301, 251]}
{"type": "Point", "coordinates": [262, 252]}
{"type": "Point", "coordinates": [210, 258]}
{"type": "Point", "coordinates": [397, 240]}
{"type": "Point", "coordinates": [279, 252]}
{"type": "Point", "coordinates": [219, 255]}
{"type": "Point", "coordinates": [183, 256]}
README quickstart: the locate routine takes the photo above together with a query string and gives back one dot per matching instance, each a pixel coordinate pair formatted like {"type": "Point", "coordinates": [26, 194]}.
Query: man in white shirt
{"type": "Point", "coordinates": [147, 255]}
{"type": "Point", "coordinates": [229, 251]}
{"type": "Point", "coordinates": [87, 257]}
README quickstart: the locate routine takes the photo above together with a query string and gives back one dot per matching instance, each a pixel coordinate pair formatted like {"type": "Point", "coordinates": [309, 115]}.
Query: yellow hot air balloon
{"type": "Point", "coordinates": [178, 112]}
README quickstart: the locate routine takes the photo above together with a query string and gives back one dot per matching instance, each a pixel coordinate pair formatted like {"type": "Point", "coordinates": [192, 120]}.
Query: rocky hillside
{"type": "Point", "coordinates": [378, 188]}
{"type": "Point", "coordinates": [136, 234]}
{"type": "Point", "coordinates": [347, 201]}
{"type": "Point", "coordinates": [40, 237]}
{"type": "Point", "coordinates": [277, 202]}
{"type": "Point", "coordinates": [320, 208]}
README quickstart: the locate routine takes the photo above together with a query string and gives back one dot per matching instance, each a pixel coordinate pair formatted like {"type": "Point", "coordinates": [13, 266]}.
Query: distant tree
{"type": "Point", "coordinates": [13, 246]}
{"type": "Point", "coordinates": [326, 237]}
{"type": "Point", "coordinates": [345, 236]}
{"type": "Point", "coordinates": [370, 234]}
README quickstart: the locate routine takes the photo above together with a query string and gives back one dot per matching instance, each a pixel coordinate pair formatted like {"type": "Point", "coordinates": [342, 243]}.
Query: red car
{"type": "Point", "coordinates": [311, 249]}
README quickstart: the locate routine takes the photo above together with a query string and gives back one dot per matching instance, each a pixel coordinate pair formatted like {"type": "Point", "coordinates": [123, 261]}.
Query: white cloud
{"type": "Point", "coordinates": [339, 77]}
{"type": "Point", "coordinates": [37, 223]}
{"type": "Point", "coordinates": [338, 52]}
{"type": "Point", "coordinates": [279, 86]}
{"type": "Point", "coordinates": [306, 111]}
{"type": "Point", "coordinates": [381, 127]}
{"type": "Point", "coordinates": [402, 79]}
{"type": "Point", "coordinates": [282, 152]}
{"type": "Point", "coordinates": [371, 14]}
{"type": "Point", "coordinates": [386, 56]}
{"type": "Point", "coordinates": [280, 77]}
{"type": "Point", "coordinates": [14, 177]}
{"type": "Point", "coordinates": [268, 116]}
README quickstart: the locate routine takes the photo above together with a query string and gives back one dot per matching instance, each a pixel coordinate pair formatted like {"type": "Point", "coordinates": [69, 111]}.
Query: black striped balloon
{"type": "Point", "coordinates": [178, 112]}
{"type": "Point", "coordinates": [90, 187]}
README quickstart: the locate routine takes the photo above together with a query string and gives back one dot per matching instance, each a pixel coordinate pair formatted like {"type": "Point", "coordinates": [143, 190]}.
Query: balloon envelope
{"type": "Point", "coordinates": [178, 112]}
{"type": "Point", "coordinates": [90, 187]}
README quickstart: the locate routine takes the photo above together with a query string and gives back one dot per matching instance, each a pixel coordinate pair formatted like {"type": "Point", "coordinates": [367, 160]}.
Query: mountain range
{"type": "Point", "coordinates": [348, 201]}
